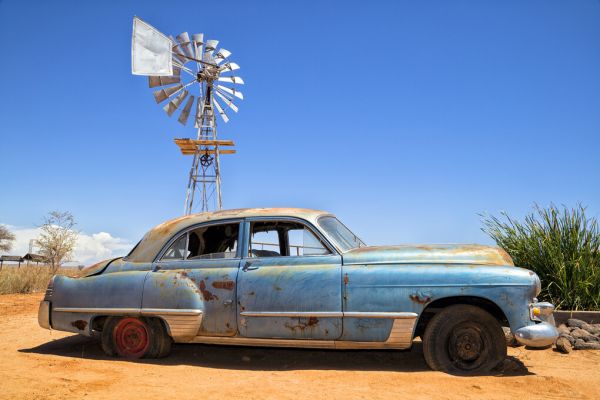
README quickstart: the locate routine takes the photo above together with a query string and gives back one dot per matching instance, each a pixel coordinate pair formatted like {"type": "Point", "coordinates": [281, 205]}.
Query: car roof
{"type": "Point", "coordinates": [153, 241]}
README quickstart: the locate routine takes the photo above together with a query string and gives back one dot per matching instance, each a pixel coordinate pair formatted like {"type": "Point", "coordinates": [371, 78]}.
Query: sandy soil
{"type": "Point", "coordinates": [39, 364]}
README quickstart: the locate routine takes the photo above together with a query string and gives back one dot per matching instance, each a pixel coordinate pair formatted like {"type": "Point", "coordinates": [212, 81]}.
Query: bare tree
{"type": "Point", "coordinates": [58, 238]}
{"type": "Point", "coordinates": [6, 238]}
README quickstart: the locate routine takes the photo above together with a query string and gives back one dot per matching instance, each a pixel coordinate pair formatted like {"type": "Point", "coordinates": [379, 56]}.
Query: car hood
{"type": "Point", "coordinates": [429, 254]}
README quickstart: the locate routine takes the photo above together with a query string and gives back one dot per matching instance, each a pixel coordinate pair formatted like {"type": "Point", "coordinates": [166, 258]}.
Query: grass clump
{"type": "Point", "coordinates": [561, 245]}
{"type": "Point", "coordinates": [26, 279]}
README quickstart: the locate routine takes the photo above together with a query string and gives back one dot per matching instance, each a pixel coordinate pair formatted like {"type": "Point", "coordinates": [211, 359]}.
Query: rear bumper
{"type": "Point", "coordinates": [538, 335]}
{"type": "Point", "coordinates": [44, 315]}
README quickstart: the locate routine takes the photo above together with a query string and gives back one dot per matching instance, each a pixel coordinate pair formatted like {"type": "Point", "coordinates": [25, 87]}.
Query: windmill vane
{"type": "Point", "coordinates": [178, 67]}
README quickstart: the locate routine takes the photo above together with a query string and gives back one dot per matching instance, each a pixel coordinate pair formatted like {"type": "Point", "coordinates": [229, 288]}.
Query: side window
{"type": "Point", "coordinates": [177, 250]}
{"type": "Point", "coordinates": [213, 241]}
{"type": "Point", "coordinates": [283, 238]}
{"type": "Point", "coordinates": [304, 243]}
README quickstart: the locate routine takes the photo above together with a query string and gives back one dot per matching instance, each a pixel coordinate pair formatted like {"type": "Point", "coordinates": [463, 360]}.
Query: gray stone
{"type": "Point", "coordinates": [579, 343]}
{"type": "Point", "coordinates": [579, 333]}
{"type": "Point", "coordinates": [587, 346]}
{"type": "Point", "coordinates": [575, 323]}
{"type": "Point", "coordinates": [562, 328]}
{"type": "Point", "coordinates": [570, 338]}
{"type": "Point", "coordinates": [511, 341]}
{"type": "Point", "coordinates": [563, 345]}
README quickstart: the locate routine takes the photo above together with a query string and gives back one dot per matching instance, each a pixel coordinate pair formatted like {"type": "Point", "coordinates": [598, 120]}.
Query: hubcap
{"type": "Point", "coordinates": [466, 346]}
{"type": "Point", "coordinates": [131, 338]}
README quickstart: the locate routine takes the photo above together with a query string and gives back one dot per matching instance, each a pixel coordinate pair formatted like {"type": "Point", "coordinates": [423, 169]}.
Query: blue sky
{"type": "Point", "coordinates": [406, 119]}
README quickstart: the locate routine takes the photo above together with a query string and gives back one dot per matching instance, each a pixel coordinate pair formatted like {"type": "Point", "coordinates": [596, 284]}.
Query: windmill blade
{"type": "Point", "coordinates": [185, 113]}
{"type": "Point", "coordinates": [210, 45]}
{"type": "Point", "coordinates": [177, 54]}
{"type": "Point", "coordinates": [198, 38]}
{"type": "Point", "coordinates": [220, 110]}
{"type": "Point", "coordinates": [163, 94]}
{"type": "Point", "coordinates": [227, 101]}
{"type": "Point", "coordinates": [232, 79]}
{"type": "Point", "coordinates": [230, 66]}
{"type": "Point", "coordinates": [197, 42]}
{"type": "Point", "coordinates": [221, 55]}
{"type": "Point", "coordinates": [184, 42]}
{"type": "Point", "coordinates": [154, 81]}
{"type": "Point", "coordinates": [231, 91]}
{"type": "Point", "coordinates": [172, 106]}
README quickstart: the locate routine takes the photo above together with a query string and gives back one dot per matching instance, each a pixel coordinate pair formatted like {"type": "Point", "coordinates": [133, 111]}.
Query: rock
{"type": "Point", "coordinates": [587, 345]}
{"type": "Point", "coordinates": [563, 345]}
{"type": "Point", "coordinates": [579, 333]}
{"type": "Point", "coordinates": [511, 341]}
{"type": "Point", "coordinates": [578, 344]}
{"type": "Point", "coordinates": [562, 328]}
{"type": "Point", "coordinates": [592, 338]}
{"type": "Point", "coordinates": [570, 338]}
{"type": "Point", "coordinates": [576, 323]}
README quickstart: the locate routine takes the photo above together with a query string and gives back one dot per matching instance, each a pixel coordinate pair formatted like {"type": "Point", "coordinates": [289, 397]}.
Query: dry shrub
{"type": "Point", "coordinates": [28, 279]}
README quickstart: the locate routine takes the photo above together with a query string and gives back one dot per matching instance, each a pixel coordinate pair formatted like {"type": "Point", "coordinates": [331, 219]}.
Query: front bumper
{"type": "Point", "coordinates": [538, 335]}
{"type": "Point", "coordinates": [44, 315]}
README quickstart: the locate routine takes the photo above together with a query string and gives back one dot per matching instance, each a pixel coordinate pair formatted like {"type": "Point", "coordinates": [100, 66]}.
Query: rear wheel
{"type": "Point", "coordinates": [463, 339]}
{"type": "Point", "coordinates": [132, 337]}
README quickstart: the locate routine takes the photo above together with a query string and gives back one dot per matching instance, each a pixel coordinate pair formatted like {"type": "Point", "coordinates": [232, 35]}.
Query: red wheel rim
{"type": "Point", "coordinates": [131, 338]}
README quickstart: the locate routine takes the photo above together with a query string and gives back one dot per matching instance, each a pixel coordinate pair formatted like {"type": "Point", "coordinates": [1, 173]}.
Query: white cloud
{"type": "Point", "coordinates": [90, 248]}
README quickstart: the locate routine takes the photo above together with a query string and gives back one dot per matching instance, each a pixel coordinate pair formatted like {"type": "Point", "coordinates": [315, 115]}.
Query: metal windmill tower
{"type": "Point", "coordinates": [164, 60]}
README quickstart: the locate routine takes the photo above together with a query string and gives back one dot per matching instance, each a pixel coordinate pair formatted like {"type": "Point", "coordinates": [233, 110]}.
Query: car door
{"type": "Point", "coordinates": [289, 284]}
{"type": "Point", "coordinates": [198, 269]}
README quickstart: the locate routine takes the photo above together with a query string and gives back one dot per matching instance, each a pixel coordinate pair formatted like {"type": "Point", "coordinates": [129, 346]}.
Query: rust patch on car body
{"type": "Point", "coordinates": [79, 324]}
{"type": "Point", "coordinates": [227, 285]}
{"type": "Point", "coordinates": [310, 323]}
{"type": "Point", "coordinates": [420, 297]}
{"type": "Point", "coordinates": [346, 279]}
{"type": "Point", "coordinates": [208, 296]}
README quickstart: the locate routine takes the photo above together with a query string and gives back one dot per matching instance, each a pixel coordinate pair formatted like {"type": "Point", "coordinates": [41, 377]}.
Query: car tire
{"type": "Point", "coordinates": [464, 340]}
{"type": "Point", "coordinates": [132, 337]}
{"type": "Point", "coordinates": [161, 341]}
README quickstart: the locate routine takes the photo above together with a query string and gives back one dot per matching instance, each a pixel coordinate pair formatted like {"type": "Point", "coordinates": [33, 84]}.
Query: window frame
{"type": "Point", "coordinates": [333, 251]}
{"type": "Point", "coordinates": [185, 231]}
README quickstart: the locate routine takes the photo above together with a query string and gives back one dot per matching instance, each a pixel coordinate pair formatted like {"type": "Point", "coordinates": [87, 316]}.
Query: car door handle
{"type": "Point", "coordinates": [248, 266]}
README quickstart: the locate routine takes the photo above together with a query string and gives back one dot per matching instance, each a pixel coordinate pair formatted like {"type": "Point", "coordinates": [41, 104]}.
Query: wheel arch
{"type": "Point", "coordinates": [439, 304]}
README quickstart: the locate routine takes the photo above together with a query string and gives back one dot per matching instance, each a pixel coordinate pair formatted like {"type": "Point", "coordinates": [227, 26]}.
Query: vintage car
{"type": "Point", "coordinates": [300, 278]}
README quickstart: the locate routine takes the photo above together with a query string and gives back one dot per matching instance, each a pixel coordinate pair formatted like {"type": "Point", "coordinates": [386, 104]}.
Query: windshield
{"type": "Point", "coordinates": [337, 231]}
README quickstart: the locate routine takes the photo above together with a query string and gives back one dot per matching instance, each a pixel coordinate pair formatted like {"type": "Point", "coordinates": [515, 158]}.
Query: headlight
{"type": "Point", "coordinates": [540, 311]}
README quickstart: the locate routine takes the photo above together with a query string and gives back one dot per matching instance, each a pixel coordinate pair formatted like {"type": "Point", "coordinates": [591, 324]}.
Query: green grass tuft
{"type": "Point", "coordinates": [561, 245]}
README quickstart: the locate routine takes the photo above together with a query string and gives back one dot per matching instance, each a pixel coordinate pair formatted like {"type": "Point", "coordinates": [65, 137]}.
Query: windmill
{"type": "Point", "coordinates": [191, 75]}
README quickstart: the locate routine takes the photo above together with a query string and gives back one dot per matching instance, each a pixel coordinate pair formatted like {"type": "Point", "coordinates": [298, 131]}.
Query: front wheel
{"type": "Point", "coordinates": [132, 337]}
{"type": "Point", "coordinates": [463, 339]}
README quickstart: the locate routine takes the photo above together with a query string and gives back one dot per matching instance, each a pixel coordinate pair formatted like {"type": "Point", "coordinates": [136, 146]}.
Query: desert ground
{"type": "Point", "coordinates": [39, 364]}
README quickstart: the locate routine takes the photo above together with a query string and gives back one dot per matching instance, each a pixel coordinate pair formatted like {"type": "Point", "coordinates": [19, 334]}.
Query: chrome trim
{"type": "Point", "coordinates": [538, 335]}
{"type": "Point", "coordinates": [401, 333]}
{"type": "Point", "coordinates": [44, 315]}
{"type": "Point", "coordinates": [142, 311]}
{"type": "Point", "coordinates": [293, 314]}
{"type": "Point", "coordinates": [329, 314]}
{"type": "Point", "coordinates": [306, 343]}
{"type": "Point", "coordinates": [110, 311]}
{"type": "Point", "coordinates": [171, 311]}
{"type": "Point", "coordinates": [382, 314]}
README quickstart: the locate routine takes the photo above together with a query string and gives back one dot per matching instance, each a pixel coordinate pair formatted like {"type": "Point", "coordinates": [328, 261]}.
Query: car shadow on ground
{"type": "Point", "coordinates": [269, 358]}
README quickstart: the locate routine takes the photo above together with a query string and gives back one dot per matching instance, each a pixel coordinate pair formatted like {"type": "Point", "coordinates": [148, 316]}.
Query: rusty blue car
{"type": "Point", "coordinates": [300, 278]}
